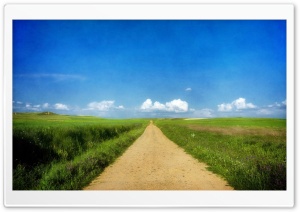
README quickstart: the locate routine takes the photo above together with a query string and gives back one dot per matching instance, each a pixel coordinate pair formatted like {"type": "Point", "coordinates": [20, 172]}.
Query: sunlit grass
{"type": "Point", "coordinates": [65, 152]}
{"type": "Point", "coordinates": [55, 152]}
{"type": "Point", "coordinates": [248, 161]}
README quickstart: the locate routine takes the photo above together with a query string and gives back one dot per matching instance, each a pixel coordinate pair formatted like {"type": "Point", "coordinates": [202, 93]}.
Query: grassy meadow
{"type": "Point", "coordinates": [250, 153]}
{"type": "Point", "coordinates": [60, 152]}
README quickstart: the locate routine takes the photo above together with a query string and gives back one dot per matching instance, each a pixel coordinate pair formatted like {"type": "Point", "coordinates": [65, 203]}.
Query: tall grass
{"type": "Point", "coordinates": [78, 172]}
{"type": "Point", "coordinates": [48, 154]}
{"type": "Point", "coordinates": [246, 161]}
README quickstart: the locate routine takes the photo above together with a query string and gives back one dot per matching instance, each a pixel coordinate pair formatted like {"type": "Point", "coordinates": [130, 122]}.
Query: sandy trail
{"type": "Point", "coordinates": [154, 162]}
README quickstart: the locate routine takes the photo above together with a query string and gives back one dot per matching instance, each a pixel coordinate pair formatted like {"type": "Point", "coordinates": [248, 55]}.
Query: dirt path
{"type": "Point", "coordinates": [154, 162]}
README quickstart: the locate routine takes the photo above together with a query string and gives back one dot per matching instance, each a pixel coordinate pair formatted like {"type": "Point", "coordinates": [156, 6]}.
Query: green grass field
{"type": "Point", "coordinates": [60, 152]}
{"type": "Point", "coordinates": [53, 152]}
{"type": "Point", "coordinates": [250, 153]}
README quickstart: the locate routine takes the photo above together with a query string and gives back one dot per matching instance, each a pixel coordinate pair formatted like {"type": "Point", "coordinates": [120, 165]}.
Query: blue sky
{"type": "Point", "coordinates": [144, 68]}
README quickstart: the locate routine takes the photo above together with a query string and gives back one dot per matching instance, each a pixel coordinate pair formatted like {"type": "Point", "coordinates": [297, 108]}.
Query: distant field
{"type": "Point", "coordinates": [250, 153]}
{"type": "Point", "coordinates": [53, 152]}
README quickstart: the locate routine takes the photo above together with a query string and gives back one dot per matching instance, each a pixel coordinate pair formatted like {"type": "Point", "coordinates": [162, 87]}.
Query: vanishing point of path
{"type": "Point", "coordinates": [153, 162]}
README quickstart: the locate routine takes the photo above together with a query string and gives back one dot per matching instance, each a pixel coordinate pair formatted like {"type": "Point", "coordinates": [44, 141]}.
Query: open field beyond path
{"type": "Point", "coordinates": [154, 162]}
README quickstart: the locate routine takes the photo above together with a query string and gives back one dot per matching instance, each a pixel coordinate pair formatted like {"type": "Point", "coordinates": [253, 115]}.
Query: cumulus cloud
{"type": "Point", "coordinates": [176, 105]}
{"type": "Point", "coordinates": [60, 106]}
{"type": "Point", "coordinates": [188, 89]}
{"type": "Point", "coordinates": [105, 105]}
{"type": "Point", "coordinates": [238, 104]}
{"type": "Point", "coordinates": [147, 104]}
{"type": "Point", "coordinates": [158, 106]}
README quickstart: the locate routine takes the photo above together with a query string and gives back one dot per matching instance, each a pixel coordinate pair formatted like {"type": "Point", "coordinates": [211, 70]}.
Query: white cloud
{"type": "Point", "coordinates": [158, 106]}
{"type": "Point", "coordinates": [241, 107]}
{"type": "Point", "coordinates": [18, 102]}
{"type": "Point", "coordinates": [101, 106]}
{"type": "Point", "coordinates": [45, 105]}
{"type": "Point", "coordinates": [176, 105]}
{"type": "Point", "coordinates": [105, 105]}
{"type": "Point", "coordinates": [188, 89]}
{"type": "Point", "coordinates": [224, 107]}
{"type": "Point", "coordinates": [238, 104]}
{"type": "Point", "coordinates": [147, 104]}
{"type": "Point", "coordinates": [29, 106]}
{"type": "Point", "coordinates": [59, 106]}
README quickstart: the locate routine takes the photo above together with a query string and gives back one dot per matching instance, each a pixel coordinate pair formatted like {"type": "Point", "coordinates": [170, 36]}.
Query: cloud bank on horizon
{"type": "Point", "coordinates": [237, 107]}
{"type": "Point", "coordinates": [150, 68]}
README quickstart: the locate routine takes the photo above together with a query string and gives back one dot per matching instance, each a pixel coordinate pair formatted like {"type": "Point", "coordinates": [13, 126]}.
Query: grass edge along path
{"type": "Point", "coordinates": [54, 152]}
{"type": "Point", "coordinates": [247, 162]}
{"type": "Point", "coordinates": [79, 172]}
